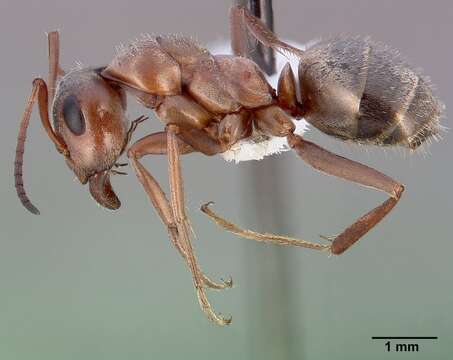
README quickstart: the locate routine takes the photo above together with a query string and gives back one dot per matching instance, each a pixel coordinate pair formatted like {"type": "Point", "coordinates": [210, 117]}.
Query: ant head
{"type": "Point", "coordinates": [90, 126]}
{"type": "Point", "coordinates": [89, 116]}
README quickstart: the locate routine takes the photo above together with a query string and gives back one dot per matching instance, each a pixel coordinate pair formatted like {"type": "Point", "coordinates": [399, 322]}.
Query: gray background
{"type": "Point", "coordinates": [80, 282]}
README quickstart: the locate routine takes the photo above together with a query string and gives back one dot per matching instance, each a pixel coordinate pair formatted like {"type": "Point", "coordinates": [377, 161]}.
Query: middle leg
{"type": "Point", "coordinates": [155, 144]}
{"type": "Point", "coordinates": [182, 223]}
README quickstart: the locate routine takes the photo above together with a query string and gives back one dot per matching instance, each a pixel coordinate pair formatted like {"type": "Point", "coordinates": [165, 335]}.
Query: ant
{"type": "Point", "coordinates": [351, 88]}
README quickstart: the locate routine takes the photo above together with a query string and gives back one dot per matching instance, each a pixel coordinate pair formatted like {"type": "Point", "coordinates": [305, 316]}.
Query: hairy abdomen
{"type": "Point", "coordinates": [357, 89]}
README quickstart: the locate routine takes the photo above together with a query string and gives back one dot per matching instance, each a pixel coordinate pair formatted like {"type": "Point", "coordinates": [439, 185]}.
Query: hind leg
{"type": "Point", "coordinates": [330, 164]}
{"type": "Point", "coordinates": [242, 22]}
{"type": "Point", "coordinates": [341, 167]}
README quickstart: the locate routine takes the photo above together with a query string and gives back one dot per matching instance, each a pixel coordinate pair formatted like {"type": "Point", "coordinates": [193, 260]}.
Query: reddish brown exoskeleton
{"type": "Point", "coordinates": [350, 88]}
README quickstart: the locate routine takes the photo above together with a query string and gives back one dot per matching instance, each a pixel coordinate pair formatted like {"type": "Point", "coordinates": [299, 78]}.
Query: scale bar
{"type": "Point", "coordinates": [405, 337]}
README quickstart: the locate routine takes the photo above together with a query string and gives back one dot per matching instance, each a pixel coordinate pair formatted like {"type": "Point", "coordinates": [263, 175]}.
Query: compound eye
{"type": "Point", "coordinates": [73, 116]}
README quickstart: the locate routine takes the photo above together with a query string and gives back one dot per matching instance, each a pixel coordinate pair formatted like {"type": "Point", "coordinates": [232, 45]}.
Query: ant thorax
{"type": "Point", "coordinates": [258, 146]}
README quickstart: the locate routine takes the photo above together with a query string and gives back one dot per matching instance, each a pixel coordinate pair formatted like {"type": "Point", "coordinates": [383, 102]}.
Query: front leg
{"type": "Point", "coordinates": [157, 144]}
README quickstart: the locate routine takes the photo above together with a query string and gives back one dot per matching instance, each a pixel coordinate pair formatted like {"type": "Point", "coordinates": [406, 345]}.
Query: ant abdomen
{"type": "Point", "coordinates": [361, 90]}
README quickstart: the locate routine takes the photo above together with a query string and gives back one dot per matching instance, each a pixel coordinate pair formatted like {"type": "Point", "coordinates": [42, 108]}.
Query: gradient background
{"type": "Point", "coordinates": [80, 282]}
